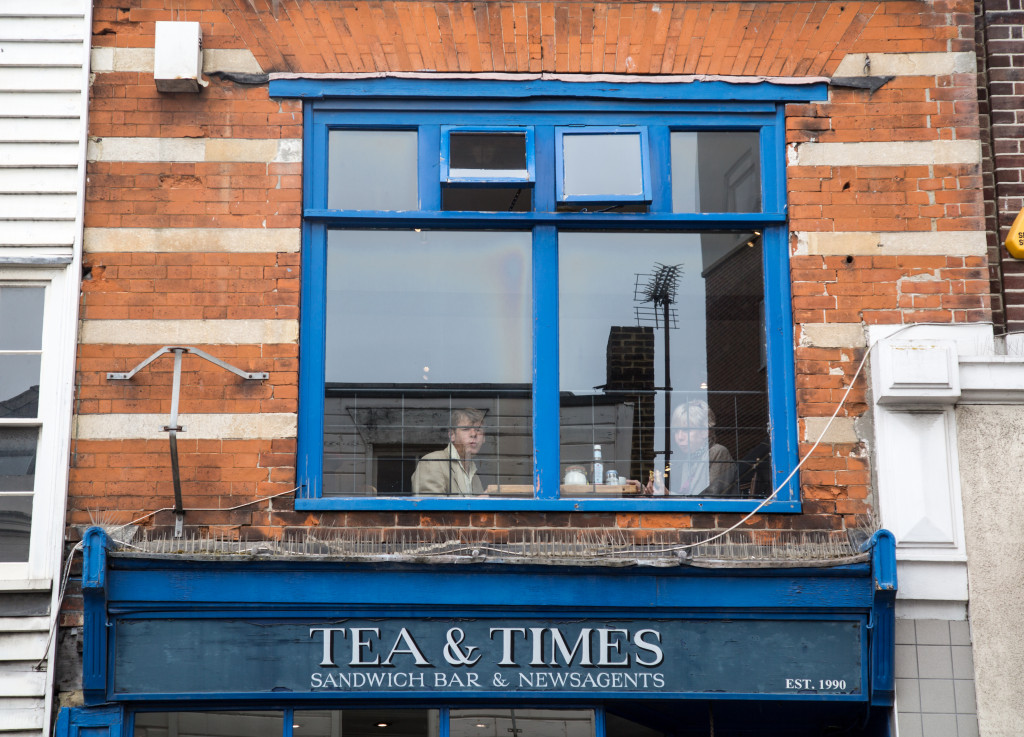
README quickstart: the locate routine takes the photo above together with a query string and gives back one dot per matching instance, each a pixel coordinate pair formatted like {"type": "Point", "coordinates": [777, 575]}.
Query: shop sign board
{"type": "Point", "coordinates": [489, 657]}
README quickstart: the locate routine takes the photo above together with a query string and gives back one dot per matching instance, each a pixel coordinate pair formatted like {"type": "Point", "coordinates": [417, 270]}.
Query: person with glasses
{"type": "Point", "coordinates": [452, 471]}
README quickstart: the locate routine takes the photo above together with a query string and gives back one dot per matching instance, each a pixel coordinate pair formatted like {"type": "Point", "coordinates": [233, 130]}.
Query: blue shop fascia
{"type": "Point", "coordinates": [474, 645]}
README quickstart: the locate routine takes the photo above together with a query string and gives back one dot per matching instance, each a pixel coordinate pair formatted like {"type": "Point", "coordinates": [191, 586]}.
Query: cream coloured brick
{"type": "Point", "coordinates": [241, 149]}
{"type": "Point", "coordinates": [945, 243]}
{"type": "Point", "coordinates": [260, 150]}
{"type": "Point", "coordinates": [108, 59]}
{"type": "Point", "coordinates": [193, 240]}
{"type": "Point", "coordinates": [189, 332]}
{"type": "Point", "coordinates": [833, 335]}
{"type": "Point", "coordinates": [257, 426]}
{"type": "Point", "coordinates": [885, 153]}
{"type": "Point", "coordinates": [928, 64]}
{"type": "Point", "coordinates": [146, 149]}
{"type": "Point", "coordinates": [230, 60]}
{"type": "Point", "coordinates": [842, 430]}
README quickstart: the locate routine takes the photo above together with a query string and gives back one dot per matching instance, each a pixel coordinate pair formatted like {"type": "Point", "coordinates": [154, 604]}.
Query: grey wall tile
{"type": "Point", "coordinates": [966, 699]}
{"type": "Point", "coordinates": [934, 661]}
{"type": "Point", "coordinates": [909, 725]}
{"type": "Point", "coordinates": [960, 633]}
{"type": "Point", "coordinates": [967, 725]}
{"type": "Point", "coordinates": [905, 665]}
{"type": "Point", "coordinates": [937, 696]}
{"type": "Point", "coordinates": [905, 633]}
{"type": "Point", "coordinates": [932, 632]}
{"type": "Point", "coordinates": [938, 725]}
{"type": "Point", "coordinates": [908, 694]}
{"type": "Point", "coordinates": [963, 661]}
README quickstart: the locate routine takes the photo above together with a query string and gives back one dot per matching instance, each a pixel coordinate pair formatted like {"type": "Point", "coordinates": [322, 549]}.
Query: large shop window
{"type": "Point", "coordinates": [535, 304]}
{"type": "Point", "coordinates": [480, 721]}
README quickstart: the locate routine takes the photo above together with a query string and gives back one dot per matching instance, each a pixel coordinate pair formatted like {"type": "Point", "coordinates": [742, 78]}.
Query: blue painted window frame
{"type": "Point", "coordinates": [604, 197]}
{"type": "Point", "coordinates": [427, 105]}
{"type": "Point", "coordinates": [446, 150]}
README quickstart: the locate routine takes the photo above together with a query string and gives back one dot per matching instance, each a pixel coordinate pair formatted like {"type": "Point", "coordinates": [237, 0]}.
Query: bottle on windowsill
{"type": "Point", "coordinates": [598, 466]}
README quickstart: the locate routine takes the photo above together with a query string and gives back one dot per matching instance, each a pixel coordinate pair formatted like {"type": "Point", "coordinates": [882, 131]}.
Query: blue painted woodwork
{"type": "Point", "coordinates": [531, 88]}
{"type": "Point", "coordinates": [883, 617]}
{"type": "Point", "coordinates": [602, 197]}
{"type": "Point", "coordinates": [493, 178]}
{"type": "Point", "coordinates": [129, 588]}
{"type": "Point", "coordinates": [105, 721]}
{"type": "Point", "coordinates": [546, 108]}
{"type": "Point", "coordinates": [94, 599]}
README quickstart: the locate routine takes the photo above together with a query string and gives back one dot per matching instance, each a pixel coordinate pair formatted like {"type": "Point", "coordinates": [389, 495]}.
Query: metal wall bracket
{"type": "Point", "coordinates": [172, 428]}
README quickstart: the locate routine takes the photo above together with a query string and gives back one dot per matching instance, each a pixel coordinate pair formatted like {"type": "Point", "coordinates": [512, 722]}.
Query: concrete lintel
{"type": "Point", "coordinates": [926, 243]}
{"type": "Point", "coordinates": [163, 150]}
{"type": "Point", "coordinates": [885, 153]}
{"type": "Point", "coordinates": [189, 332]}
{"type": "Point", "coordinates": [257, 426]}
{"type": "Point", "coordinates": [193, 240]}
{"type": "Point", "coordinates": [924, 64]}
{"type": "Point", "coordinates": [106, 59]}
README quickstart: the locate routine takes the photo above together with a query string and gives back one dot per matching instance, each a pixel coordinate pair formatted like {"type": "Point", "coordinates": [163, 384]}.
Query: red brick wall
{"type": "Point", "coordinates": [131, 478]}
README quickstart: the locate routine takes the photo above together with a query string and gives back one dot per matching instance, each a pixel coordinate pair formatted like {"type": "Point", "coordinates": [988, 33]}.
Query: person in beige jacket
{"type": "Point", "coordinates": [451, 471]}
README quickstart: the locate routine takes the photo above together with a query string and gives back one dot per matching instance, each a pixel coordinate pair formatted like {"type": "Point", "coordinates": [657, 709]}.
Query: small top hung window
{"type": "Point", "coordinates": [602, 165]}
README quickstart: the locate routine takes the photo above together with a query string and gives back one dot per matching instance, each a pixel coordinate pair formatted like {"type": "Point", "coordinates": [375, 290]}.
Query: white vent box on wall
{"type": "Point", "coordinates": [178, 56]}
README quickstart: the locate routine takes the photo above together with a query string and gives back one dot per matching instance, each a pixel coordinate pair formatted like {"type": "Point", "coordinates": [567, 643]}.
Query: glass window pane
{"type": "Point", "coordinates": [522, 722]}
{"type": "Point", "coordinates": [420, 327]}
{"type": "Point", "coordinates": [366, 723]}
{"type": "Point", "coordinates": [18, 458]}
{"type": "Point", "coordinates": [479, 154]}
{"type": "Point", "coordinates": [716, 171]}
{"type": "Point", "coordinates": [21, 318]}
{"type": "Point", "coordinates": [372, 170]}
{"type": "Point", "coordinates": [209, 724]}
{"type": "Point", "coordinates": [19, 385]}
{"type": "Point", "coordinates": [598, 164]}
{"type": "Point", "coordinates": [15, 527]}
{"type": "Point", "coordinates": [691, 397]}
{"type": "Point", "coordinates": [487, 199]}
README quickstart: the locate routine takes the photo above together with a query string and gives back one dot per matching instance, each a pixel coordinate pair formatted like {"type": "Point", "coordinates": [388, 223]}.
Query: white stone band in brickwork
{"type": "Point", "coordinates": [193, 240]}
{"type": "Point", "coordinates": [842, 430]}
{"type": "Point", "coordinates": [885, 153]}
{"type": "Point", "coordinates": [256, 426]}
{"type": "Point", "coordinates": [923, 243]}
{"type": "Point", "coordinates": [189, 332]}
{"type": "Point", "coordinates": [832, 335]}
{"type": "Point", "coordinates": [106, 59]}
{"type": "Point", "coordinates": [258, 150]}
{"type": "Point", "coordinates": [925, 64]}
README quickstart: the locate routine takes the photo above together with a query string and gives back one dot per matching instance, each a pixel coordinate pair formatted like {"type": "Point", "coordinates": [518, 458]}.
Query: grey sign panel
{"type": "Point", "coordinates": [588, 658]}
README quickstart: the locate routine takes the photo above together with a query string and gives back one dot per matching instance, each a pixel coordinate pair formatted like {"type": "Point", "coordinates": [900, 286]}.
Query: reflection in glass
{"type": "Point", "coordinates": [367, 723]}
{"type": "Point", "coordinates": [372, 170]}
{"type": "Point", "coordinates": [18, 458]}
{"type": "Point", "coordinates": [209, 724]}
{"type": "Point", "coordinates": [617, 726]}
{"type": "Point", "coordinates": [487, 199]}
{"type": "Point", "coordinates": [15, 527]}
{"type": "Point", "coordinates": [691, 397]}
{"type": "Point", "coordinates": [21, 318]}
{"type": "Point", "coordinates": [483, 154]}
{"type": "Point", "coordinates": [420, 327]}
{"type": "Point", "coordinates": [19, 385]}
{"type": "Point", "coordinates": [716, 171]}
{"type": "Point", "coordinates": [522, 722]}
{"type": "Point", "coordinates": [599, 164]}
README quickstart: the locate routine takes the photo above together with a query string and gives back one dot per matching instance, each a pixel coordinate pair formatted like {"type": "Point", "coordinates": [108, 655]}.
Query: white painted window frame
{"type": "Point", "coordinates": [54, 418]}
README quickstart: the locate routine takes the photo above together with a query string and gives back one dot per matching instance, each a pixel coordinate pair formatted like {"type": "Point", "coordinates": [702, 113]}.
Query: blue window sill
{"type": "Point", "coordinates": [478, 504]}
